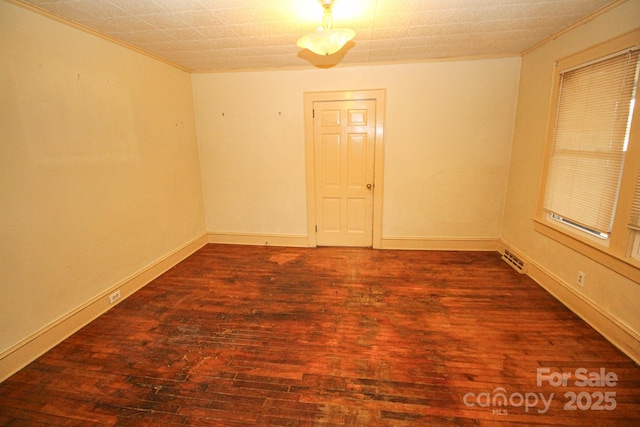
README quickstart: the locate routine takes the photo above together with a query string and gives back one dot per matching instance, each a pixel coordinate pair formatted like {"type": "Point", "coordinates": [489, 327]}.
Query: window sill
{"type": "Point", "coordinates": [627, 267]}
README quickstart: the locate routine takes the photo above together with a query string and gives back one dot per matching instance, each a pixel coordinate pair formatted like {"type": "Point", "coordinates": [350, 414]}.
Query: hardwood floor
{"type": "Point", "coordinates": [241, 336]}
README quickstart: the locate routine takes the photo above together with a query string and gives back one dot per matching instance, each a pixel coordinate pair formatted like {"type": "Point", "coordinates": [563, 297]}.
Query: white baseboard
{"type": "Point", "coordinates": [617, 333]}
{"type": "Point", "coordinates": [30, 348]}
{"type": "Point", "coordinates": [258, 239]}
{"type": "Point", "coordinates": [441, 244]}
{"type": "Point", "coordinates": [418, 243]}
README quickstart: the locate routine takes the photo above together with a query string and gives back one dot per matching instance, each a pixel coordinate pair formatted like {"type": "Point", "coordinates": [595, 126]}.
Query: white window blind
{"type": "Point", "coordinates": [589, 141]}
{"type": "Point", "coordinates": [634, 223]}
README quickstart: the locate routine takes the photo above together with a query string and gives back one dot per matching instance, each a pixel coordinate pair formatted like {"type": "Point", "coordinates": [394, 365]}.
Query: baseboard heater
{"type": "Point", "coordinates": [515, 262]}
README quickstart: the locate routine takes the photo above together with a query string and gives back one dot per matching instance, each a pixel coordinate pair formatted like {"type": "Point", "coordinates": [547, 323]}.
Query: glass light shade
{"type": "Point", "coordinates": [326, 42]}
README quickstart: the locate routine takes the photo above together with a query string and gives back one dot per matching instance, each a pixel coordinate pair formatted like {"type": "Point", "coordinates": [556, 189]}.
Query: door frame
{"type": "Point", "coordinates": [378, 95]}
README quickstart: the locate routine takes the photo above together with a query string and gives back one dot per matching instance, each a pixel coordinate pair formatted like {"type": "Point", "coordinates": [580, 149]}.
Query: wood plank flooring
{"type": "Point", "coordinates": [244, 336]}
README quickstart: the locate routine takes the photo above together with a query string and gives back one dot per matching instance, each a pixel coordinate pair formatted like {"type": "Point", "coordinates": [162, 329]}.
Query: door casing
{"type": "Point", "coordinates": [379, 95]}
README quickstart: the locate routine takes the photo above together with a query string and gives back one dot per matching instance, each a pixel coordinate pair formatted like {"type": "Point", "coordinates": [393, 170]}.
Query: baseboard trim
{"type": "Point", "coordinates": [400, 243]}
{"type": "Point", "coordinates": [257, 239]}
{"type": "Point", "coordinates": [32, 347]}
{"type": "Point", "coordinates": [617, 333]}
{"type": "Point", "coordinates": [441, 244]}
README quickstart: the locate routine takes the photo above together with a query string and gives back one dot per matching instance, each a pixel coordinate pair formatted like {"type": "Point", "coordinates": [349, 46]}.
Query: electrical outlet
{"type": "Point", "coordinates": [581, 278]}
{"type": "Point", "coordinates": [114, 297]}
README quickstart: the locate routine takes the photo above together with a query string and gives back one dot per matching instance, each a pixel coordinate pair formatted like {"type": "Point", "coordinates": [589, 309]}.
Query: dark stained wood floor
{"type": "Point", "coordinates": [243, 336]}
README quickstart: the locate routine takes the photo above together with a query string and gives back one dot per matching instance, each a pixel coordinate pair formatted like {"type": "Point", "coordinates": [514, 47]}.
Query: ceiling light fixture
{"type": "Point", "coordinates": [326, 40]}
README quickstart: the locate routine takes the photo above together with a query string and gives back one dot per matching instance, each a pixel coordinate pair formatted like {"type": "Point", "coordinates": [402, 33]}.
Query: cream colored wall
{"type": "Point", "coordinates": [448, 134]}
{"type": "Point", "coordinates": [609, 292]}
{"type": "Point", "coordinates": [99, 172]}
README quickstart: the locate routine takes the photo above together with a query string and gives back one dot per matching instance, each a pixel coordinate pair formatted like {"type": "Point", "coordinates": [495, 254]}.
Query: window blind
{"type": "Point", "coordinates": [589, 141]}
{"type": "Point", "coordinates": [634, 223]}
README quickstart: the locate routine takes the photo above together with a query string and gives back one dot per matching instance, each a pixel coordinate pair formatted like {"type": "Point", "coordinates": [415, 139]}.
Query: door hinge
{"type": "Point", "coordinates": [316, 228]}
{"type": "Point", "coordinates": [313, 113]}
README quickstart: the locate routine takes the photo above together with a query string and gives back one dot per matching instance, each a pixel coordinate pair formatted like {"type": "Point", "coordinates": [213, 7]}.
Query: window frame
{"type": "Point", "coordinates": [613, 252]}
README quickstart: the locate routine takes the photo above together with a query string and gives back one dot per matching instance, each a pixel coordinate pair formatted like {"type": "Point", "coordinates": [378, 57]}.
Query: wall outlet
{"type": "Point", "coordinates": [114, 297]}
{"type": "Point", "coordinates": [581, 278]}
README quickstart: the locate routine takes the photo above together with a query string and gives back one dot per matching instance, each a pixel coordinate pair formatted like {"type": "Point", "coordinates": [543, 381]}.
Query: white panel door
{"type": "Point", "coordinates": [344, 144]}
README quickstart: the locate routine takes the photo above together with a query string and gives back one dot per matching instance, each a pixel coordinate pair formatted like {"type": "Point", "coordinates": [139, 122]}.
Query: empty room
{"type": "Point", "coordinates": [319, 212]}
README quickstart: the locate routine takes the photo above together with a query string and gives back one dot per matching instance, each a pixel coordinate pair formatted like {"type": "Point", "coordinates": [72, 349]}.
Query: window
{"type": "Point", "coordinates": [591, 187]}
{"type": "Point", "coordinates": [590, 140]}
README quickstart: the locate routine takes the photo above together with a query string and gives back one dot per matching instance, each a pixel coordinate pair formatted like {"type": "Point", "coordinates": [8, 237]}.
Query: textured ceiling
{"type": "Point", "coordinates": [222, 35]}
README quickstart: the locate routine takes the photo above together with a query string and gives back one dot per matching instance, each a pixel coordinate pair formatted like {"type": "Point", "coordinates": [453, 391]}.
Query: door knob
{"type": "Point", "coordinates": [369, 186]}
